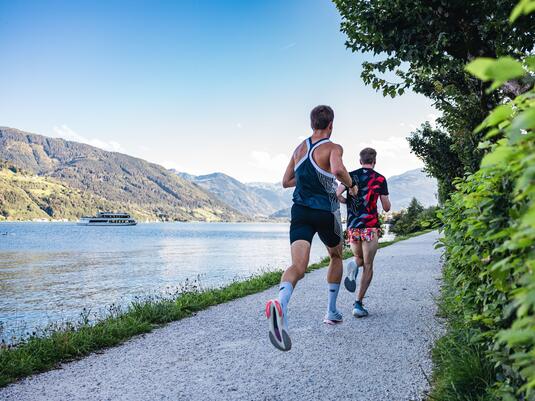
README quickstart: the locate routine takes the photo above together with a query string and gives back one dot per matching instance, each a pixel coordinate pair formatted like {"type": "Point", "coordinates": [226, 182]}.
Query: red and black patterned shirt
{"type": "Point", "coordinates": [362, 210]}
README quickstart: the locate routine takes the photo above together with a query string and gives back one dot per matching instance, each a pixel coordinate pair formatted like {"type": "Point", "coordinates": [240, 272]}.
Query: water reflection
{"type": "Point", "coordinates": [50, 272]}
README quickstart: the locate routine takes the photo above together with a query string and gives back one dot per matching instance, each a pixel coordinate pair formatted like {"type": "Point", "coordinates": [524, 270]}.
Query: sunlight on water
{"type": "Point", "coordinates": [51, 271]}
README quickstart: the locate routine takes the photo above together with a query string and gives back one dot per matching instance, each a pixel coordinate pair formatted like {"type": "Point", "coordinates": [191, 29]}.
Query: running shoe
{"type": "Point", "coordinates": [278, 330]}
{"type": "Point", "coordinates": [333, 317]}
{"type": "Point", "coordinates": [358, 310]}
{"type": "Point", "coordinates": [352, 270]}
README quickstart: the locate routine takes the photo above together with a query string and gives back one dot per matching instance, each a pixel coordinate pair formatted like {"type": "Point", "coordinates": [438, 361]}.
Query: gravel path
{"type": "Point", "coordinates": [224, 353]}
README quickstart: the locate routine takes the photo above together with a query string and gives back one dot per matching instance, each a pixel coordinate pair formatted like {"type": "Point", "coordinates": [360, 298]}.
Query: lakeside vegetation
{"type": "Point", "coordinates": [40, 353]}
{"type": "Point", "coordinates": [475, 61]}
{"type": "Point", "coordinates": [415, 218]}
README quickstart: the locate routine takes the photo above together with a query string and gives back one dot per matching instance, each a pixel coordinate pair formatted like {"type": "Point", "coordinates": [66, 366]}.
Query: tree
{"type": "Point", "coordinates": [435, 148]}
{"type": "Point", "coordinates": [426, 44]}
{"type": "Point", "coordinates": [412, 219]}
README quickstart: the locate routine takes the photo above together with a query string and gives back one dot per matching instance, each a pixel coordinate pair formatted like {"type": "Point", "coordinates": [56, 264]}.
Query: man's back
{"type": "Point", "coordinates": [315, 184]}
{"type": "Point", "coordinates": [362, 209]}
{"type": "Point", "coordinates": [322, 154]}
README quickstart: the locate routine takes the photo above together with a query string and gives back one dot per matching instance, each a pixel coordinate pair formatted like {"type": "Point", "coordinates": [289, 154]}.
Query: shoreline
{"type": "Point", "coordinates": [156, 221]}
{"type": "Point", "coordinates": [39, 354]}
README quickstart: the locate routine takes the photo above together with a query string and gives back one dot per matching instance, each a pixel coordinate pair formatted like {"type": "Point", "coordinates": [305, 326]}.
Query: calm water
{"type": "Point", "coordinates": [51, 271]}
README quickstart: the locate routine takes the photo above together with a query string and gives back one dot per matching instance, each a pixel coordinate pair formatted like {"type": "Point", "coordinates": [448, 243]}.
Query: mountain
{"type": "Point", "coordinates": [257, 200]}
{"type": "Point", "coordinates": [277, 196]}
{"type": "Point", "coordinates": [132, 183]}
{"type": "Point", "coordinates": [26, 196]}
{"type": "Point", "coordinates": [284, 214]}
{"type": "Point", "coordinates": [261, 199]}
{"type": "Point", "coordinates": [412, 184]}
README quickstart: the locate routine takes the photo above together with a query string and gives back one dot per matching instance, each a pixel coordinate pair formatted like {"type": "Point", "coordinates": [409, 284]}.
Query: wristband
{"type": "Point", "coordinates": [353, 184]}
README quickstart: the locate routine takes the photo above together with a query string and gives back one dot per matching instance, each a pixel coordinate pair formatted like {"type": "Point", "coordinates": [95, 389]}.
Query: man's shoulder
{"type": "Point", "coordinates": [381, 176]}
{"type": "Point", "coordinates": [334, 145]}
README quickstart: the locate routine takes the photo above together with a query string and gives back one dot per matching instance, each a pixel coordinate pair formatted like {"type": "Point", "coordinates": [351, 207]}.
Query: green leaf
{"type": "Point", "coordinates": [517, 11]}
{"type": "Point", "coordinates": [530, 63]}
{"type": "Point", "coordinates": [525, 120]}
{"type": "Point", "coordinates": [517, 336]}
{"type": "Point", "coordinates": [504, 69]}
{"type": "Point", "coordinates": [499, 114]}
{"type": "Point", "coordinates": [500, 155]}
{"type": "Point", "coordinates": [479, 67]}
{"type": "Point", "coordinates": [523, 7]}
{"type": "Point", "coordinates": [497, 70]}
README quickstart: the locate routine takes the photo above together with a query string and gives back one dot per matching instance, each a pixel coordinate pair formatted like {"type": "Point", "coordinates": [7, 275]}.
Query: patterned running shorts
{"type": "Point", "coordinates": [363, 234]}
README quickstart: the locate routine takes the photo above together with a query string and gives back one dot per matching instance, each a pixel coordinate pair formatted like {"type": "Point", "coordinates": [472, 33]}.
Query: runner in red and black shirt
{"type": "Point", "coordinates": [363, 226]}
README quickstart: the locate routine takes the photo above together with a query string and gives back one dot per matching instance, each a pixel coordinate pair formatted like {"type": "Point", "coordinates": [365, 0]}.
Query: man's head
{"type": "Point", "coordinates": [368, 156]}
{"type": "Point", "coordinates": [321, 118]}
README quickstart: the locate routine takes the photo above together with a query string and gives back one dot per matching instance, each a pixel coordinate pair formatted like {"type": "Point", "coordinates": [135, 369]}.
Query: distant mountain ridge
{"type": "Point", "coordinates": [261, 199]}
{"type": "Point", "coordinates": [80, 175]}
{"type": "Point", "coordinates": [257, 200]}
{"type": "Point", "coordinates": [412, 184]}
{"type": "Point", "coordinates": [121, 179]}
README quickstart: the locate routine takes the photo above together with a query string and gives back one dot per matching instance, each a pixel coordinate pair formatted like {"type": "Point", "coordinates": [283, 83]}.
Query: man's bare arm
{"type": "Point", "coordinates": [288, 180]}
{"type": "Point", "coordinates": [385, 201]}
{"type": "Point", "coordinates": [339, 191]}
{"type": "Point", "coordinates": [339, 170]}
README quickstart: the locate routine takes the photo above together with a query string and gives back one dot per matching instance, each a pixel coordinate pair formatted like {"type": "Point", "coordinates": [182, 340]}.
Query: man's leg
{"type": "Point", "coordinates": [369, 249]}
{"type": "Point", "coordinates": [300, 250]}
{"type": "Point", "coordinates": [356, 248]}
{"type": "Point", "coordinates": [350, 281]}
{"type": "Point", "coordinates": [276, 309]}
{"type": "Point", "coordinates": [334, 276]}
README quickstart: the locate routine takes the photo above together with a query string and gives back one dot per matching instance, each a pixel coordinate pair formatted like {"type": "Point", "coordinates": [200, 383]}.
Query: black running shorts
{"type": "Point", "coordinates": [306, 222]}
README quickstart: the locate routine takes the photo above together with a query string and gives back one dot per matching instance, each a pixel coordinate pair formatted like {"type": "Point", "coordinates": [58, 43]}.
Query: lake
{"type": "Point", "coordinates": [50, 272]}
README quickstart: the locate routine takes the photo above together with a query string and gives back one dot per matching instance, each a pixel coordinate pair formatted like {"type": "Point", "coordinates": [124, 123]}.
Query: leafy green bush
{"type": "Point", "coordinates": [415, 218]}
{"type": "Point", "coordinates": [489, 227]}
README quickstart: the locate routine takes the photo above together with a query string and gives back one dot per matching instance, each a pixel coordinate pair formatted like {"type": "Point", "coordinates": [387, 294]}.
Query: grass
{"type": "Point", "coordinates": [462, 369]}
{"type": "Point", "coordinates": [41, 353]}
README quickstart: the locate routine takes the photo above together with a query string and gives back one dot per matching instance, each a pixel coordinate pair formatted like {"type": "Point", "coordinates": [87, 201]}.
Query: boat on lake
{"type": "Point", "coordinates": [108, 219]}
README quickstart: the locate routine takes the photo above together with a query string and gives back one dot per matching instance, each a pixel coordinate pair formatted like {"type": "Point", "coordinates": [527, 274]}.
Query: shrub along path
{"type": "Point", "coordinates": [224, 352]}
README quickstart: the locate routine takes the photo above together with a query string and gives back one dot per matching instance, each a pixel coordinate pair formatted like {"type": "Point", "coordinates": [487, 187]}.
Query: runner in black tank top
{"type": "Point", "coordinates": [316, 208]}
{"type": "Point", "coordinates": [313, 170]}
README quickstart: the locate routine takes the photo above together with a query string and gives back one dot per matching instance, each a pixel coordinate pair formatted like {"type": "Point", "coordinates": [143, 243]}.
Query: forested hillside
{"type": "Point", "coordinates": [129, 182]}
{"type": "Point", "coordinates": [26, 196]}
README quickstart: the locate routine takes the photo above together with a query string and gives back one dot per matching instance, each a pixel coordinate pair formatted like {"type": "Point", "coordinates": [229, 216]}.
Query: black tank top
{"type": "Point", "coordinates": [315, 187]}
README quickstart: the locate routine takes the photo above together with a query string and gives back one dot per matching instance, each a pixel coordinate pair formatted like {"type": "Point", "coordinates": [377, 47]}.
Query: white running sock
{"type": "Point", "coordinates": [285, 292]}
{"type": "Point", "coordinates": [333, 295]}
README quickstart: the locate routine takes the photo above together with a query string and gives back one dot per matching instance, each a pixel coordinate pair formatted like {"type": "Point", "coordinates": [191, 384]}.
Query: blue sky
{"type": "Point", "coordinates": [200, 86]}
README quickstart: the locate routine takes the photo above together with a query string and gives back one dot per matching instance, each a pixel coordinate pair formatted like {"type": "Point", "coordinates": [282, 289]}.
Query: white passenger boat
{"type": "Point", "coordinates": [108, 219]}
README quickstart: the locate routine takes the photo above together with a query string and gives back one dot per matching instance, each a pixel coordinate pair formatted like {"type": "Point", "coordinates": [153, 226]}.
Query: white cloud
{"type": "Point", "coordinates": [393, 155]}
{"type": "Point", "coordinates": [289, 46]}
{"type": "Point", "coordinates": [265, 161]}
{"type": "Point", "coordinates": [63, 131]}
{"type": "Point", "coordinates": [432, 118]}
{"type": "Point", "coordinates": [172, 165]}
{"type": "Point", "coordinates": [390, 147]}
{"type": "Point", "coordinates": [239, 125]}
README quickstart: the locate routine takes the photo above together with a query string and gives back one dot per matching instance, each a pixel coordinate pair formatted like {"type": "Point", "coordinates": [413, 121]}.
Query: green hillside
{"type": "Point", "coordinates": [125, 182]}
{"type": "Point", "coordinates": [25, 196]}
